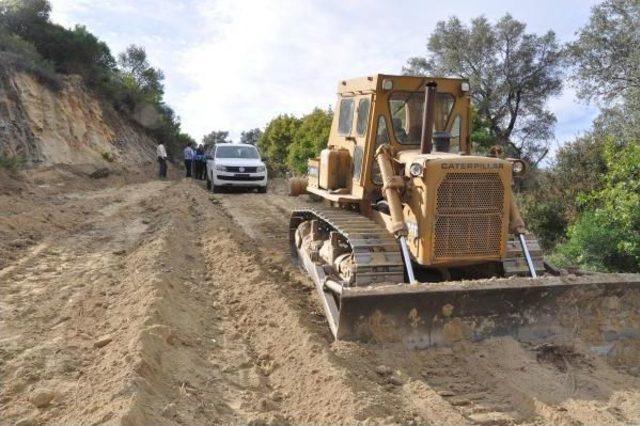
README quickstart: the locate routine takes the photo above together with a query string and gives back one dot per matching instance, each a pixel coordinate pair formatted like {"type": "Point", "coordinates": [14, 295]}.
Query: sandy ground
{"type": "Point", "coordinates": [131, 302]}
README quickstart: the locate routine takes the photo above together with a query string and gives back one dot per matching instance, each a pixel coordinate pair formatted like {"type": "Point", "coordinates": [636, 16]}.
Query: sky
{"type": "Point", "coordinates": [235, 64]}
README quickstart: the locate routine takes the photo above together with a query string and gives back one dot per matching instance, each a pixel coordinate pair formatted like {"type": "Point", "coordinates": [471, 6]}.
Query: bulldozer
{"type": "Point", "coordinates": [417, 240]}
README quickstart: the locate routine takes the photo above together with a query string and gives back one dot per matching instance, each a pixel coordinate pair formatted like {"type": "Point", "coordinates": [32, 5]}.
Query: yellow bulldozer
{"type": "Point", "coordinates": [420, 241]}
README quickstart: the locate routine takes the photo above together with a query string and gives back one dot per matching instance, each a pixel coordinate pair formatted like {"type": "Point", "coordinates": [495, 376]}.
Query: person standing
{"type": "Point", "coordinates": [189, 154]}
{"type": "Point", "coordinates": [200, 162]}
{"type": "Point", "coordinates": [161, 153]}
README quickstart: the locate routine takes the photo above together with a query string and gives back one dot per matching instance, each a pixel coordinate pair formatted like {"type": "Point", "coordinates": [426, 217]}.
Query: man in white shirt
{"type": "Point", "coordinates": [161, 153]}
{"type": "Point", "coordinates": [189, 154]}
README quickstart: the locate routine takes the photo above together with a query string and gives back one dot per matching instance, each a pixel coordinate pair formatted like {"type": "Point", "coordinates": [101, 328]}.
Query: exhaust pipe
{"type": "Point", "coordinates": [428, 116]}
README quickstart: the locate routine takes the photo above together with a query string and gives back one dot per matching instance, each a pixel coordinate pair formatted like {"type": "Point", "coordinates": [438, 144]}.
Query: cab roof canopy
{"type": "Point", "coordinates": [373, 83]}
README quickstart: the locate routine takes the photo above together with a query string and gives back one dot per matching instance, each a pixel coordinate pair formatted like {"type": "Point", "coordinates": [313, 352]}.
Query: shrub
{"type": "Point", "coordinates": [12, 164]}
{"type": "Point", "coordinates": [107, 156]}
{"type": "Point", "coordinates": [607, 235]}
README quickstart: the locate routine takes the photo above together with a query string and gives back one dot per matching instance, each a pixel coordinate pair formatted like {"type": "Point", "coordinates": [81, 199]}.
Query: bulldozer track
{"type": "Point", "coordinates": [376, 253]}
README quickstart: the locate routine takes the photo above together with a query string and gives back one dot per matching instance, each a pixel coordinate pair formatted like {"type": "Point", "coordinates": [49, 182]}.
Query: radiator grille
{"type": "Point", "coordinates": [469, 211]}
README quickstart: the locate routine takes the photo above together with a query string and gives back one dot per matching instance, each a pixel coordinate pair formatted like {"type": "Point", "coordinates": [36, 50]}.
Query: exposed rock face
{"type": "Point", "coordinates": [46, 126]}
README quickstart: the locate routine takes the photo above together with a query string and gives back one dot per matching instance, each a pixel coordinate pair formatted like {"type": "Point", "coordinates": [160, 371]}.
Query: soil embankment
{"type": "Point", "coordinates": [157, 303]}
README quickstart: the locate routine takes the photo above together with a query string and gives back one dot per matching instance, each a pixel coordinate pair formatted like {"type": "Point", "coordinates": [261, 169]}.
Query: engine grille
{"type": "Point", "coordinates": [469, 212]}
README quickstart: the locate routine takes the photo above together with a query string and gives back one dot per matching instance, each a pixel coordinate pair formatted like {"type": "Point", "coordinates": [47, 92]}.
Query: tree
{"type": "Point", "coordinates": [251, 136]}
{"type": "Point", "coordinates": [275, 141]}
{"type": "Point", "coordinates": [512, 74]}
{"type": "Point", "coordinates": [216, 137]}
{"type": "Point", "coordinates": [310, 138]}
{"type": "Point", "coordinates": [607, 52]}
{"type": "Point", "coordinates": [24, 16]}
{"type": "Point", "coordinates": [137, 72]}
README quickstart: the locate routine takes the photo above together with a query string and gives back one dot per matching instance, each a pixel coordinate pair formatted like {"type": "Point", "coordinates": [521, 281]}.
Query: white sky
{"type": "Point", "coordinates": [234, 65]}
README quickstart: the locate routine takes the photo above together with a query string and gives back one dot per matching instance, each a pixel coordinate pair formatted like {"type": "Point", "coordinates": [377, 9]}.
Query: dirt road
{"type": "Point", "coordinates": [157, 303]}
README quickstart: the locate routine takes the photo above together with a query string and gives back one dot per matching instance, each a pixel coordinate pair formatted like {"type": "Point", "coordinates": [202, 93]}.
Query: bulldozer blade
{"type": "Point", "coordinates": [599, 309]}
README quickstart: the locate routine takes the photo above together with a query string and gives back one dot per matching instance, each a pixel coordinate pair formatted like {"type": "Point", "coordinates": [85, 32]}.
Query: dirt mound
{"type": "Point", "coordinates": [156, 303]}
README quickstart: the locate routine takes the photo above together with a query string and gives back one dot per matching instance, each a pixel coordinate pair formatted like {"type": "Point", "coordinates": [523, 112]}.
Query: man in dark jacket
{"type": "Point", "coordinates": [201, 163]}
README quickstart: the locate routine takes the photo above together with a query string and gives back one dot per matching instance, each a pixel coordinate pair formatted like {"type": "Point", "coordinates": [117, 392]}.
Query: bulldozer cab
{"type": "Point", "coordinates": [384, 109]}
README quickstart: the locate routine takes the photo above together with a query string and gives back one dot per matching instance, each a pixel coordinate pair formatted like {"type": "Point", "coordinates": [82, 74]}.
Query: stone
{"type": "Point", "coordinates": [42, 397]}
{"type": "Point", "coordinates": [395, 380]}
{"type": "Point", "coordinates": [103, 341]}
{"type": "Point", "coordinates": [459, 402]}
{"type": "Point", "coordinates": [169, 410]}
{"type": "Point", "coordinates": [27, 421]}
{"type": "Point", "coordinates": [100, 173]}
{"type": "Point", "coordinates": [383, 370]}
{"type": "Point", "coordinates": [612, 303]}
{"type": "Point", "coordinates": [492, 418]}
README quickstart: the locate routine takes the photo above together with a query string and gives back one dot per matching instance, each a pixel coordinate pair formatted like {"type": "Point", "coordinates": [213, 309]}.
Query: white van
{"type": "Point", "coordinates": [235, 165]}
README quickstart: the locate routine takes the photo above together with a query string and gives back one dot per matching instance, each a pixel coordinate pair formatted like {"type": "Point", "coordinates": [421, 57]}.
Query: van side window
{"type": "Point", "coordinates": [345, 119]}
{"type": "Point", "coordinates": [363, 116]}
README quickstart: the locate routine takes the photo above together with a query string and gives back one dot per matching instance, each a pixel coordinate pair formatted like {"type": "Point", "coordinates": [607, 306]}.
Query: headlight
{"type": "Point", "coordinates": [387, 84]}
{"type": "Point", "coordinates": [221, 168]}
{"type": "Point", "coordinates": [415, 169]}
{"type": "Point", "coordinates": [464, 86]}
{"type": "Point", "coordinates": [261, 169]}
{"type": "Point", "coordinates": [518, 167]}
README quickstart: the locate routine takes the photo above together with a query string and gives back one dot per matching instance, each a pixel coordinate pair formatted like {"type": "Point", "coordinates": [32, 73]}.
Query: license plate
{"type": "Point", "coordinates": [242, 175]}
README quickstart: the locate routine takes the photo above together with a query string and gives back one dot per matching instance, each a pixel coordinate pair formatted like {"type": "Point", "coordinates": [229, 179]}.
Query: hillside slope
{"type": "Point", "coordinates": [67, 125]}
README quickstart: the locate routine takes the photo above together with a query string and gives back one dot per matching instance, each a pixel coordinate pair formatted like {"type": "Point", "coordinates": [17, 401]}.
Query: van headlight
{"type": "Point", "coordinates": [261, 169]}
{"type": "Point", "coordinates": [415, 169]}
{"type": "Point", "coordinates": [221, 168]}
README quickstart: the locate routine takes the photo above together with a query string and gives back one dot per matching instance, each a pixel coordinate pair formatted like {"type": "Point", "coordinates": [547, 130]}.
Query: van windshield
{"type": "Point", "coordinates": [406, 114]}
{"type": "Point", "coordinates": [230, 151]}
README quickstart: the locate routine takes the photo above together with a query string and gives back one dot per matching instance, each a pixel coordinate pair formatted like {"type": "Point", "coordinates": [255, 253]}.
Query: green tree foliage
{"type": "Point", "coordinates": [251, 136]}
{"type": "Point", "coordinates": [594, 185]}
{"type": "Point", "coordinates": [136, 71]}
{"type": "Point", "coordinates": [551, 198]}
{"type": "Point", "coordinates": [607, 236]}
{"type": "Point", "coordinates": [288, 142]}
{"type": "Point", "coordinates": [275, 141]}
{"type": "Point", "coordinates": [607, 51]}
{"type": "Point", "coordinates": [512, 74]}
{"type": "Point", "coordinates": [309, 139]}
{"type": "Point", "coordinates": [215, 137]}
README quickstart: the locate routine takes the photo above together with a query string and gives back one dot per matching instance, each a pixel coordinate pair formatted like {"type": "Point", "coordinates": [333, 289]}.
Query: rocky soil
{"type": "Point", "coordinates": [132, 302]}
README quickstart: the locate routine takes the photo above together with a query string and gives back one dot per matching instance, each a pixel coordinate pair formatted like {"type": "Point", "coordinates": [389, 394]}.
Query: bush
{"type": "Point", "coordinates": [12, 164]}
{"type": "Point", "coordinates": [546, 219]}
{"type": "Point", "coordinates": [274, 142]}
{"type": "Point", "coordinates": [310, 138]}
{"type": "Point", "coordinates": [607, 235]}
{"type": "Point", "coordinates": [107, 156]}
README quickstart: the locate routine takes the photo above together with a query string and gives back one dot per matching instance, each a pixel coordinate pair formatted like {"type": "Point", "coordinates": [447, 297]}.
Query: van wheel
{"type": "Point", "coordinates": [215, 189]}
{"type": "Point", "coordinates": [262, 189]}
{"type": "Point", "coordinates": [208, 183]}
